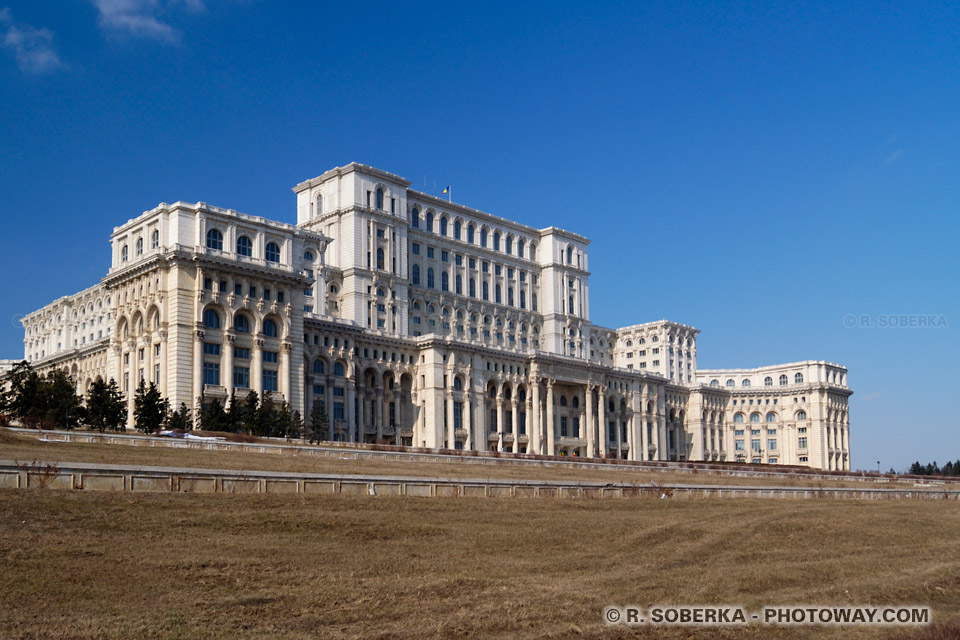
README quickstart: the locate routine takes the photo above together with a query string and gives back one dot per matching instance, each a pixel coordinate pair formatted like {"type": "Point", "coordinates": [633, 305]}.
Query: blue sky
{"type": "Point", "coordinates": [759, 172]}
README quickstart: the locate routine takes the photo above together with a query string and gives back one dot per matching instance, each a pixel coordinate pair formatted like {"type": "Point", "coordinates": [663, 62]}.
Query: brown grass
{"type": "Point", "coordinates": [99, 565]}
{"type": "Point", "coordinates": [29, 448]}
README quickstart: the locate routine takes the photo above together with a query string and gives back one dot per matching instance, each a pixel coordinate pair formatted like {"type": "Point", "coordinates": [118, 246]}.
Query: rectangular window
{"type": "Point", "coordinates": [485, 267]}
{"type": "Point", "coordinates": [266, 295]}
{"type": "Point", "coordinates": [270, 356]}
{"type": "Point", "coordinates": [270, 380]}
{"type": "Point", "coordinates": [497, 270]}
{"type": "Point", "coordinates": [156, 373]}
{"type": "Point", "coordinates": [211, 373]}
{"type": "Point", "coordinates": [755, 445]}
{"type": "Point", "coordinates": [208, 284]}
{"type": "Point", "coordinates": [458, 260]}
{"type": "Point", "coordinates": [241, 353]}
{"type": "Point", "coordinates": [280, 297]}
{"type": "Point", "coordinates": [223, 286]}
{"type": "Point", "coordinates": [318, 390]}
{"type": "Point", "coordinates": [241, 377]}
{"type": "Point", "coordinates": [338, 392]}
{"type": "Point", "coordinates": [772, 445]}
{"type": "Point", "coordinates": [739, 445]}
{"type": "Point", "coordinates": [211, 348]}
{"type": "Point", "coordinates": [444, 256]}
{"type": "Point", "coordinates": [802, 443]}
{"type": "Point", "coordinates": [338, 411]}
{"type": "Point", "coordinates": [253, 291]}
{"type": "Point", "coordinates": [429, 252]}
{"type": "Point", "coordinates": [473, 263]}
{"type": "Point", "coordinates": [563, 426]}
{"type": "Point", "coordinates": [415, 248]}
{"type": "Point", "coordinates": [238, 289]}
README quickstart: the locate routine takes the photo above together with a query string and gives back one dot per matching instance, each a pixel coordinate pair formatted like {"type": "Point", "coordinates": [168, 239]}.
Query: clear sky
{"type": "Point", "coordinates": [759, 172]}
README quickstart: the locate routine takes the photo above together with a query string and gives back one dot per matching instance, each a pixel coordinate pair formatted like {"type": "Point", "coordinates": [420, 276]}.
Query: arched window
{"type": "Point", "coordinates": [745, 383]}
{"type": "Point", "coordinates": [496, 241]}
{"type": "Point", "coordinates": [783, 380]}
{"type": "Point", "coordinates": [798, 379]}
{"type": "Point", "coordinates": [270, 328]}
{"type": "Point", "coordinates": [510, 296]}
{"type": "Point", "coordinates": [523, 299]}
{"type": "Point", "coordinates": [569, 255]}
{"type": "Point", "coordinates": [714, 383]}
{"type": "Point", "coordinates": [123, 254]}
{"type": "Point", "coordinates": [444, 281]}
{"type": "Point", "coordinates": [379, 198]}
{"type": "Point", "coordinates": [456, 230]}
{"type": "Point", "coordinates": [211, 319]}
{"type": "Point", "coordinates": [443, 225]}
{"type": "Point", "coordinates": [430, 221]}
{"type": "Point", "coordinates": [139, 246]}
{"type": "Point", "coordinates": [801, 415]}
{"type": "Point", "coordinates": [308, 256]}
{"type": "Point", "coordinates": [498, 294]}
{"type": "Point", "coordinates": [241, 323]}
{"type": "Point", "coordinates": [215, 239]}
{"type": "Point", "coordinates": [771, 417]}
{"type": "Point", "coordinates": [731, 383]}
{"type": "Point", "coordinates": [319, 205]}
{"type": "Point", "coordinates": [533, 250]}
{"type": "Point", "coordinates": [156, 240]}
{"type": "Point", "coordinates": [379, 258]}
{"type": "Point", "coordinates": [272, 252]}
{"type": "Point", "coordinates": [738, 418]}
{"type": "Point", "coordinates": [508, 245]}
{"type": "Point", "coordinates": [459, 283]}
{"type": "Point", "coordinates": [576, 401]}
{"type": "Point", "coordinates": [473, 288]}
{"type": "Point", "coordinates": [318, 366]}
{"type": "Point", "coordinates": [430, 282]}
{"type": "Point", "coordinates": [754, 418]}
{"type": "Point", "coordinates": [338, 369]}
{"type": "Point", "coordinates": [244, 246]}
{"type": "Point", "coordinates": [520, 247]}
{"type": "Point", "coordinates": [768, 381]}
{"type": "Point", "coordinates": [415, 274]}
{"type": "Point", "coordinates": [486, 290]}
{"type": "Point", "coordinates": [483, 237]}
{"type": "Point", "coordinates": [470, 234]}
{"type": "Point", "coordinates": [563, 401]}
{"type": "Point", "coordinates": [415, 218]}
{"type": "Point", "coordinates": [533, 302]}
{"type": "Point", "coordinates": [457, 385]}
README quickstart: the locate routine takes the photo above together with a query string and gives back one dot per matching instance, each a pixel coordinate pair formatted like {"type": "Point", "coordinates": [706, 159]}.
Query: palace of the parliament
{"type": "Point", "coordinates": [416, 321]}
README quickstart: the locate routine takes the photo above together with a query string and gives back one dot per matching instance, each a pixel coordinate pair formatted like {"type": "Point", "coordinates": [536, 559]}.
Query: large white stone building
{"type": "Point", "coordinates": [421, 322]}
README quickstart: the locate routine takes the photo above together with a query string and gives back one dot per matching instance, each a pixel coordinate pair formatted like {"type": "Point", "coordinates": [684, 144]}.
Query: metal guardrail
{"type": "Point", "coordinates": [109, 477]}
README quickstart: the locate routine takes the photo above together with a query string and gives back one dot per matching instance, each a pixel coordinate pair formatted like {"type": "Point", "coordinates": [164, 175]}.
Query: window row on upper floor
{"type": "Point", "coordinates": [139, 246]}
{"type": "Point", "coordinates": [767, 382]}
{"type": "Point", "coordinates": [244, 246]}
{"type": "Point", "coordinates": [511, 245]}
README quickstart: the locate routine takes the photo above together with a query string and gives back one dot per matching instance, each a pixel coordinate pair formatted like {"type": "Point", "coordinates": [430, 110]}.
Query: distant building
{"type": "Point", "coordinates": [421, 322]}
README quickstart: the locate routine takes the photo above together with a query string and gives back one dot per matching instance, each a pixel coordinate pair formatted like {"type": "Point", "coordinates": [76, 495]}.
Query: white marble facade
{"type": "Point", "coordinates": [421, 322]}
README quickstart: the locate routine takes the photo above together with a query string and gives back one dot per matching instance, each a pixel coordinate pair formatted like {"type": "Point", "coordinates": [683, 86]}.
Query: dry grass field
{"type": "Point", "coordinates": [26, 448]}
{"type": "Point", "coordinates": [101, 565]}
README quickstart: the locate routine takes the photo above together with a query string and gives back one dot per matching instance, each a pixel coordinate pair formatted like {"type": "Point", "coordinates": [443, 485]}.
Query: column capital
{"type": "Point", "coordinates": [198, 334]}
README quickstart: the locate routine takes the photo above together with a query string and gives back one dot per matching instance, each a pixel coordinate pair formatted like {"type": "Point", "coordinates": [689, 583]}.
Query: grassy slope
{"type": "Point", "coordinates": [76, 565]}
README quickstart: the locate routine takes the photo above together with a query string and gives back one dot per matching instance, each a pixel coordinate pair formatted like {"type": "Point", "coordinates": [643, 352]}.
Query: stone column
{"type": "Point", "coordinates": [197, 372]}
{"type": "Point", "coordinates": [256, 367]}
{"type": "Point", "coordinates": [514, 422]}
{"type": "Point", "coordinates": [162, 382]}
{"type": "Point", "coordinates": [348, 412]}
{"type": "Point", "coordinates": [534, 418]}
{"type": "Point", "coordinates": [284, 373]}
{"type": "Point", "coordinates": [378, 393]}
{"type": "Point", "coordinates": [228, 342]}
{"type": "Point", "coordinates": [499, 421]}
{"type": "Point", "coordinates": [451, 425]}
{"type": "Point", "coordinates": [589, 429]}
{"type": "Point", "coordinates": [549, 431]}
{"type": "Point", "coordinates": [361, 413]}
{"type": "Point", "coordinates": [603, 435]}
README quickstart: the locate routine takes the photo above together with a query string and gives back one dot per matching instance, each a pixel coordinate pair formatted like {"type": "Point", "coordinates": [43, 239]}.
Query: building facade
{"type": "Point", "coordinates": [421, 322]}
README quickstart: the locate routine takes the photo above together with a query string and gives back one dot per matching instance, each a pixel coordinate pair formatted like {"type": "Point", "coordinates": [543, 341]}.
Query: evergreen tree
{"type": "Point", "coordinates": [106, 408]}
{"type": "Point", "coordinates": [266, 416]}
{"type": "Point", "coordinates": [296, 426]}
{"type": "Point", "coordinates": [149, 408]}
{"type": "Point", "coordinates": [283, 422]}
{"type": "Point", "coordinates": [213, 418]}
{"type": "Point", "coordinates": [58, 401]}
{"type": "Point", "coordinates": [319, 423]}
{"type": "Point", "coordinates": [234, 416]}
{"type": "Point", "coordinates": [250, 413]}
{"type": "Point", "coordinates": [181, 419]}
